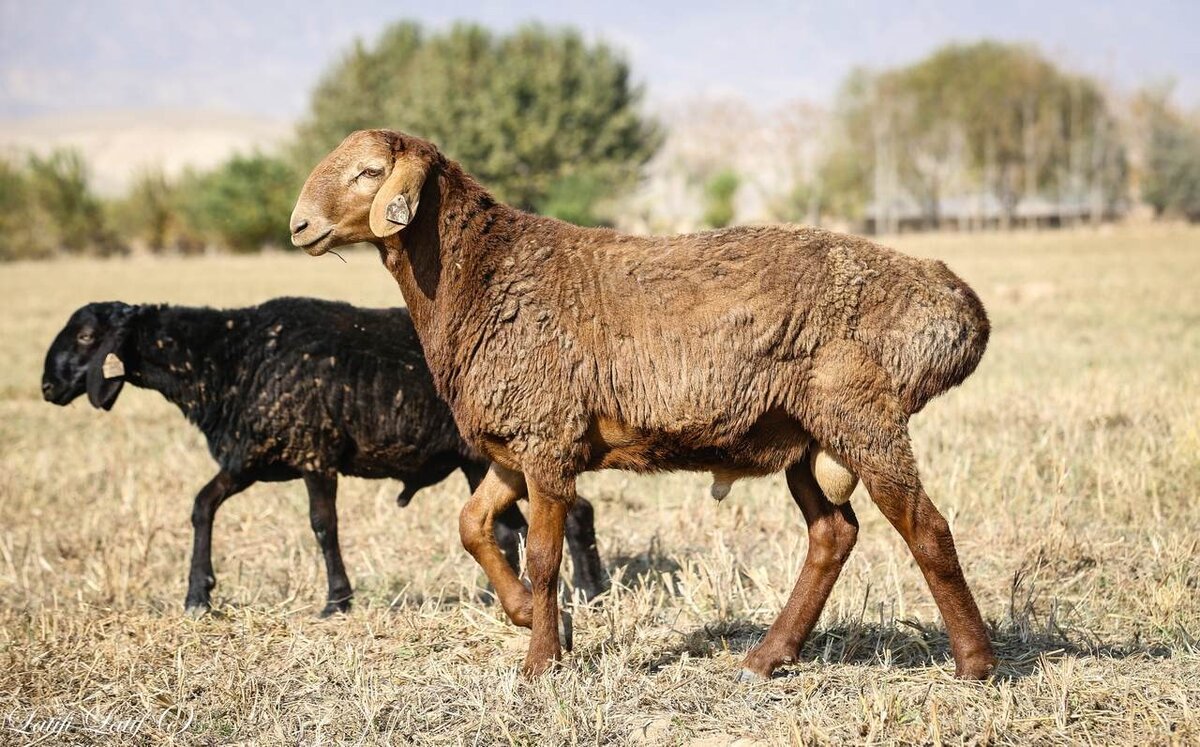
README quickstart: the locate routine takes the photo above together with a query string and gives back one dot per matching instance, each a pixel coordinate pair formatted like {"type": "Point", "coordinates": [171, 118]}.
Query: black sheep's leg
{"type": "Point", "coordinates": [474, 472]}
{"type": "Point", "coordinates": [201, 578]}
{"type": "Point", "coordinates": [322, 511]}
{"type": "Point", "coordinates": [589, 576]}
{"type": "Point", "coordinates": [511, 529]}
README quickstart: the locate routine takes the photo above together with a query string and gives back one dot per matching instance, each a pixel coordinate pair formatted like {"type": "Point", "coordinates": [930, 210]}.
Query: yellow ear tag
{"type": "Point", "coordinates": [113, 367]}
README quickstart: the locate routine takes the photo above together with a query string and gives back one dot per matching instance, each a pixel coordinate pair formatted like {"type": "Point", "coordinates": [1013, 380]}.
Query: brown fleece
{"type": "Point", "coordinates": [563, 349]}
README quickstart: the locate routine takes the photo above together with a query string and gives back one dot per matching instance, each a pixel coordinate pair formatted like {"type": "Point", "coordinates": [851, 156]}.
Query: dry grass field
{"type": "Point", "coordinates": [1068, 466]}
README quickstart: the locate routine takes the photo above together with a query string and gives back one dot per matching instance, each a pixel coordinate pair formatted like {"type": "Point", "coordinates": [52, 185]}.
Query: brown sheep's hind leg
{"type": "Point", "coordinates": [902, 499]}
{"type": "Point", "coordinates": [855, 411]}
{"type": "Point", "coordinates": [498, 491]}
{"type": "Point", "coordinates": [832, 531]}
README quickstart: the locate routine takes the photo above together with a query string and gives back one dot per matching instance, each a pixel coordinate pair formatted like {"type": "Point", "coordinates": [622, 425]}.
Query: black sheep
{"type": "Point", "coordinates": [293, 388]}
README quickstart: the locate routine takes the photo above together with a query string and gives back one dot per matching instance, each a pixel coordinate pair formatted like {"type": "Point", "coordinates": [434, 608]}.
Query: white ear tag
{"type": "Point", "coordinates": [113, 367]}
{"type": "Point", "coordinates": [397, 211]}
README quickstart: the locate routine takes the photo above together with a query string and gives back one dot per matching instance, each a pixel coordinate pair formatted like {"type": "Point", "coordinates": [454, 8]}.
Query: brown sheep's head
{"type": "Point", "coordinates": [366, 189]}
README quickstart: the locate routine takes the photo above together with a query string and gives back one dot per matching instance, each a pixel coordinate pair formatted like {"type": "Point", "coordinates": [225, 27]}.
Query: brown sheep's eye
{"type": "Point", "coordinates": [85, 338]}
{"type": "Point", "coordinates": [372, 173]}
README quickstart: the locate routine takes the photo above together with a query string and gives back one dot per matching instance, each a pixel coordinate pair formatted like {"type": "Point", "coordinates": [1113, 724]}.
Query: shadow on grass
{"type": "Point", "coordinates": [645, 568]}
{"type": "Point", "coordinates": [903, 644]}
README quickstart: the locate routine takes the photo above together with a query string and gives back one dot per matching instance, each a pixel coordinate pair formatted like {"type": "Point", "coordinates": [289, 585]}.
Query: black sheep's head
{"type": "Point", "coordinates": [87, 356]}
{"type": "Point", "coordinates": [366, 189]}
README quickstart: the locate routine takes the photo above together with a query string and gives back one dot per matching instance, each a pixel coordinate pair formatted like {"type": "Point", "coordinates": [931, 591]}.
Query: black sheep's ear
{"type": "Point", "coordinates": [106, 370]}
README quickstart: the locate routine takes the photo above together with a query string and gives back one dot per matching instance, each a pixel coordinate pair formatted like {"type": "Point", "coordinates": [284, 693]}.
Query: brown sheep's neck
{"type": "Point", "coordinates": [459, 223]}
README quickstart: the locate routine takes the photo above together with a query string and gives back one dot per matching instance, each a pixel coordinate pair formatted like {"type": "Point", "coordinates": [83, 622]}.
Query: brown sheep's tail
{"type": "Point", "coordinates": [943, 353]}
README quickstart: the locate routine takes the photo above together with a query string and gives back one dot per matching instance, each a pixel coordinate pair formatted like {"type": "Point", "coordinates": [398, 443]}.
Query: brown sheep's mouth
{"type": "Point", "coordinates": [317, 246]}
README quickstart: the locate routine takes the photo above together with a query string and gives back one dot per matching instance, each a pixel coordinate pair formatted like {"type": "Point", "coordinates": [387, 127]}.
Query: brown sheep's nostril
{"type": "Point", "coordinates": [299, 226]}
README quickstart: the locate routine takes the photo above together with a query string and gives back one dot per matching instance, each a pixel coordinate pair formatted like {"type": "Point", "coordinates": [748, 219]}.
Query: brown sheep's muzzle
{"type": "Point", "coordinates": [314, 245]}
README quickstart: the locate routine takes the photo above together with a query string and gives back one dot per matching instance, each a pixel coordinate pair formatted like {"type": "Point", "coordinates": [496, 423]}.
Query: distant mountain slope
{"type": "Point", "coordinates": [118, 145]}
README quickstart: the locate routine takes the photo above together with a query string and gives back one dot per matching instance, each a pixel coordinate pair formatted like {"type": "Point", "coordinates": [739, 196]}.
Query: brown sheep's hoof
{"type": "Point", "coordinates": [976, 668]}
{"type": "Point", "coordinates": [745, 676]}
{"type": "Point", "coordinates": [533, 669]}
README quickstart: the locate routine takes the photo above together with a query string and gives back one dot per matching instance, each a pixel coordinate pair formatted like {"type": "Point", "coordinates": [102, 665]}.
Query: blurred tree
{"type": "Point", "coordinates": [847, 170]}
{"type": "Point", "coordinates": [796, 140]}
{"type": "Point", "coordinates": [803, 204]}
{"type": "Point", "coordinates": [719, 194]}
{"type": "Point", "coordinates": [244, 204]}
{"type": "Point", "coordinates": [1171, 183]}
{"type": "Point", "coordinates": [544, 119]}
{"type": "Point", "coordinates": [149, 211]}
{"type": "Point", "coordinates": [351, 95]}
{"type": "Point", "coordinates": [74, 217]}
{"type": "Point", "coordinates": [845, 184]}
{"type": "Point", "coordinates": [986, 117]}
{"type": "Point", "coordinates": [579, 198]}
{"type": "Point", "coordinates": [23, 233]}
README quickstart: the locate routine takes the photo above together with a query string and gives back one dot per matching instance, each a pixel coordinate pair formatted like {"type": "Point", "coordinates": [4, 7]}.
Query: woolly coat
{"type": "Point", "coordinates": [299, 385]}
{"type": "Point", "coordinates": [562, 349]}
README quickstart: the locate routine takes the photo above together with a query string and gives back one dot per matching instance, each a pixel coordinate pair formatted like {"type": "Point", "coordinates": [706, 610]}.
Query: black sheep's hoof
{"type": "Point", "coordinates": [341, 606]}
{"type": "Point", "coordinates": [566, 630]}
{"type": "Point", "coordinates": [195, 609]}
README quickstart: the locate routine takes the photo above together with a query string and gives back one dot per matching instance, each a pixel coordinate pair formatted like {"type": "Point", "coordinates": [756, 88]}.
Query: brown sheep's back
{"type": "Point", "coordinates": [694, 351]}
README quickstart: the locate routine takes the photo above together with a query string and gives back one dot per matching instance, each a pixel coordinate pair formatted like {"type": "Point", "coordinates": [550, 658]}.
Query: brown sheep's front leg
{"type": "Point", "coordinates": [497, 492]}
{"type": "Point", "coordinates": [543, 557]}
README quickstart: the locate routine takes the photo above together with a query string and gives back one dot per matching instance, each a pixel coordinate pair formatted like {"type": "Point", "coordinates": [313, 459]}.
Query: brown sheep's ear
{"type": "Point", "coordinates": [395, 204]}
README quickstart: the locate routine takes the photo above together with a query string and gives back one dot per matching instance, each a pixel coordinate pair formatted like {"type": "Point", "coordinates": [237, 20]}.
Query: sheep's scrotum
{"type": "Point", "coordinates": [836, 480]}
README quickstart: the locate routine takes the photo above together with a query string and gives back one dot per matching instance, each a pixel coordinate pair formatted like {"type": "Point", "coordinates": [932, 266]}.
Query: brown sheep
{"type": "Point", "coordinates": [744, 351]}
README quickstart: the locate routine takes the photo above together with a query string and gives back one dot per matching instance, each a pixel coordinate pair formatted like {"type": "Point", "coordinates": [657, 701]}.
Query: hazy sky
{"type": "Point", "coordinates": [262, 58]}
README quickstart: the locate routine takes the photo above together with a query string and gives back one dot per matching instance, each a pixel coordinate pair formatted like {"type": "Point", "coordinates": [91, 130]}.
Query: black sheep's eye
{"type": "Point", "coordinates": [85, 338]}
